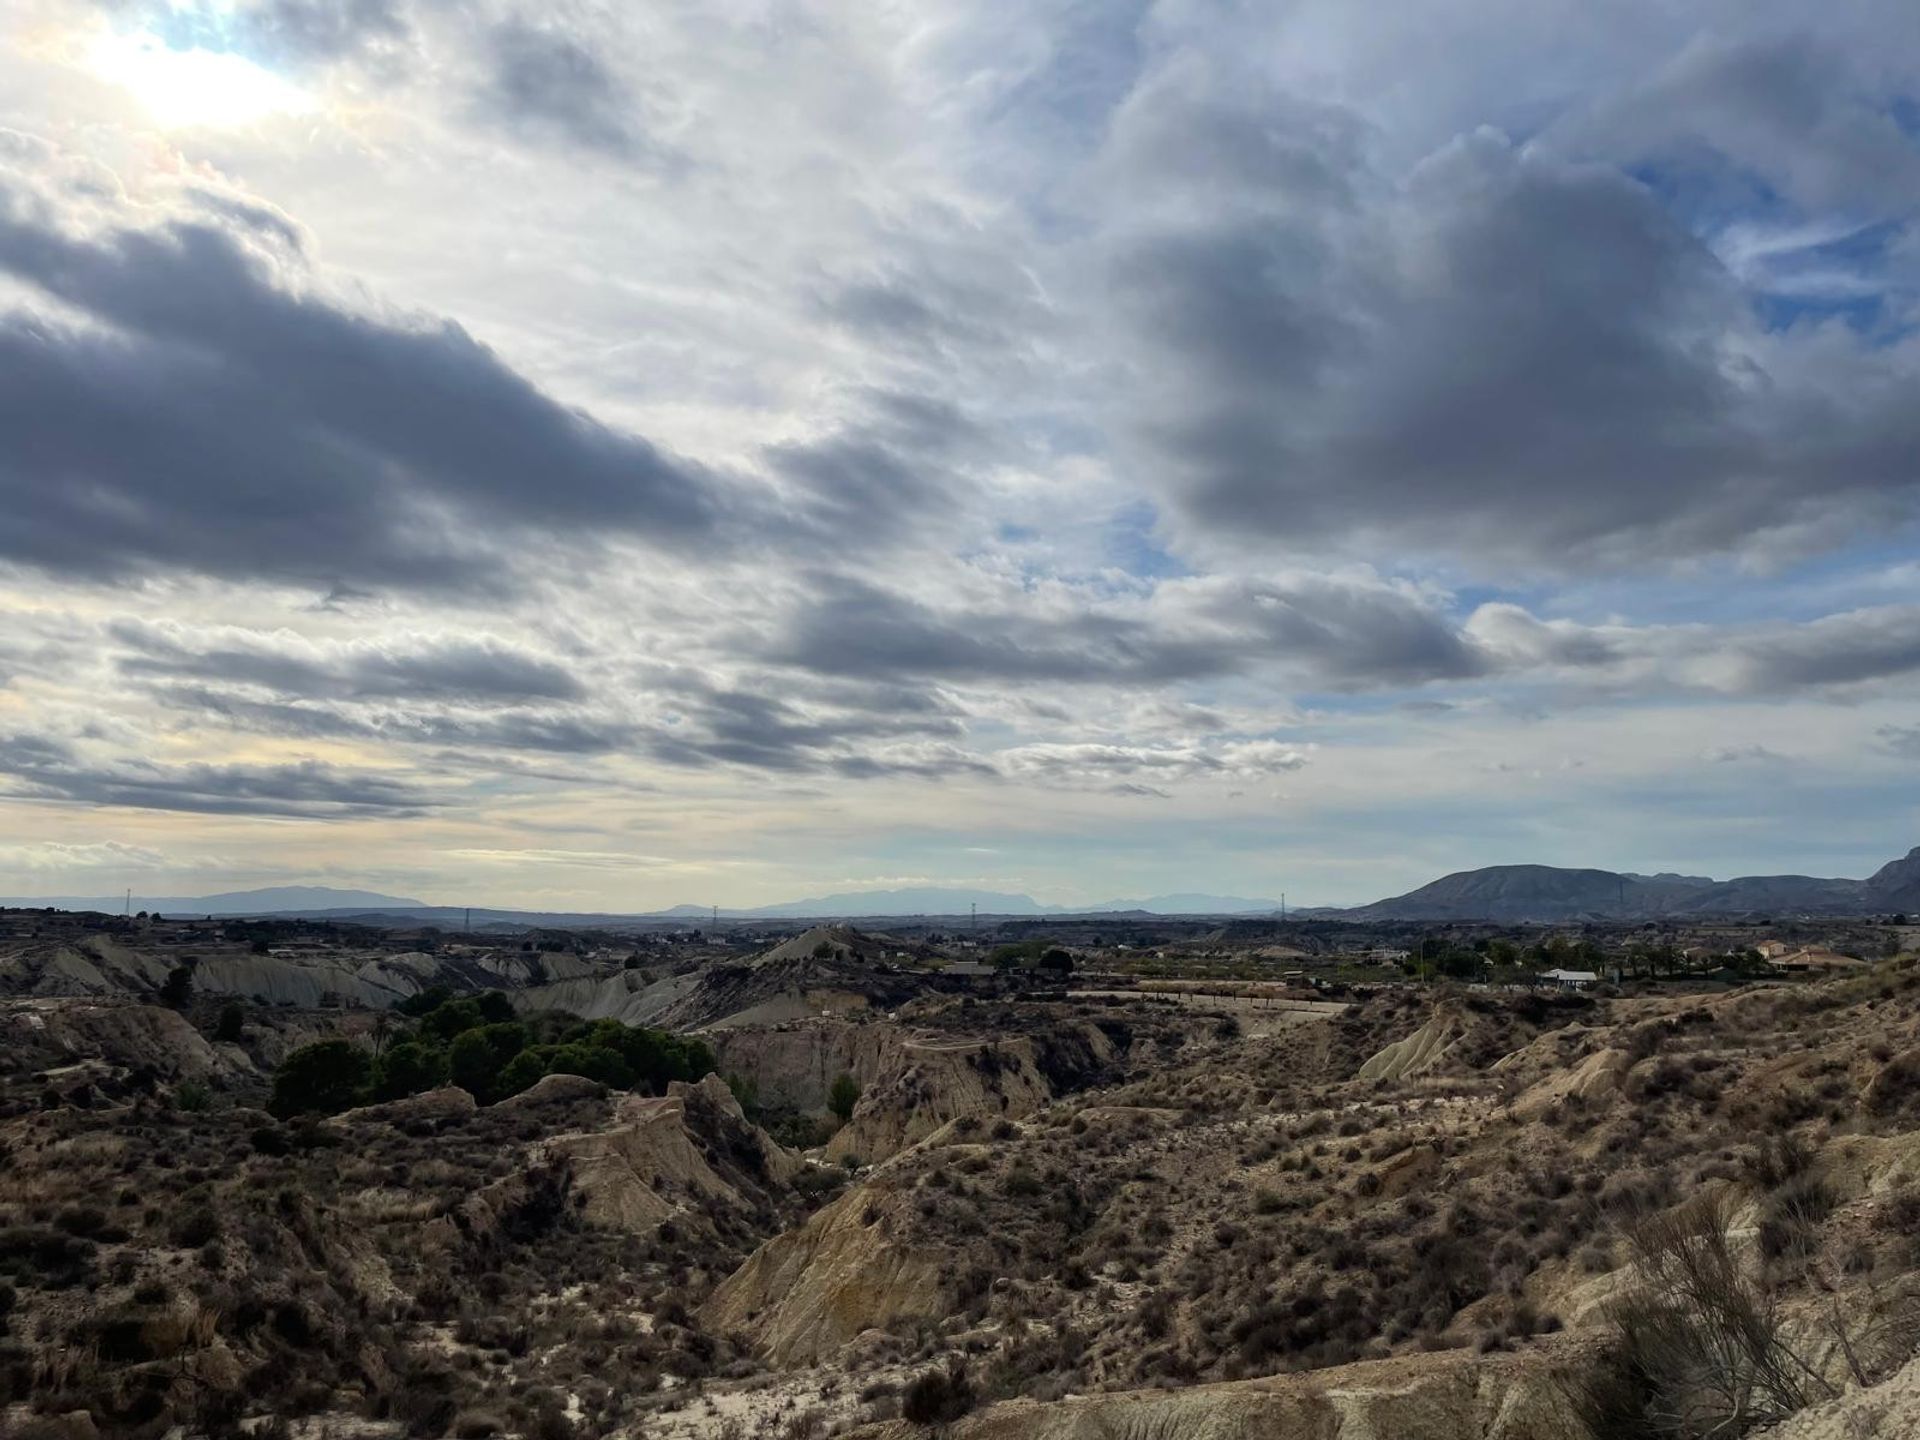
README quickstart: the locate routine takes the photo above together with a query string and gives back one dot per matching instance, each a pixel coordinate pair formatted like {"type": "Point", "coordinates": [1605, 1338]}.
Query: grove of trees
{"type": "Point", "coordinates": [478, 1044]}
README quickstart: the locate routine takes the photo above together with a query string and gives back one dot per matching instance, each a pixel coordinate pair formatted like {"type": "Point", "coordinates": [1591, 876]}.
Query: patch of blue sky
{"type": "Point", "coordinates": [1129, 544]}
{"type": "Point", "coordinates": [1904, 111]}
{"type": "Point", "coordinates": [202, 26]}
{"type": "Point", "coordinates": [1355, 704]}
{"type": "Point", "coordinates": [1841, 273]}
{"type": "Point", "coordinates": [1705, 193]}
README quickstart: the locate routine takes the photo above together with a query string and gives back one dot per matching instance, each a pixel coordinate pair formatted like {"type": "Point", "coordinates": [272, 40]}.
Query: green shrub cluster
{"type": "Point", "coordinates": [477, 1044]}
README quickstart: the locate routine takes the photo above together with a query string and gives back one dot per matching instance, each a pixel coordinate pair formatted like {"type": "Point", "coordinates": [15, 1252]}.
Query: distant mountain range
{"type": "Point", "coordinates": [1503, 893]}
{"type": "Point", "coordinates": [321, 900]}
{"type": "Point", "coordinates": [276, 899]}
{"type": "Point", "coordinates": [1514, 893]}
{"type": "Point", "coordinates": [934, 900]}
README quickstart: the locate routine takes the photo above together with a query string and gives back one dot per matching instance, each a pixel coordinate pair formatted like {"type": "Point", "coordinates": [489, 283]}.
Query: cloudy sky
{"type": "Point", "coordinates": [617, 455]}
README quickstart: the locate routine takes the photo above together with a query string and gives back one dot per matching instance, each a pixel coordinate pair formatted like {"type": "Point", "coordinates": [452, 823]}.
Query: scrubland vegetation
{"type": "Point", "coordinates": [1683, 1214]}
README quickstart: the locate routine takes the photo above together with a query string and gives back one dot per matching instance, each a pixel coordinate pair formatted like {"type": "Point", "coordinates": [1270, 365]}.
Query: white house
{"type": "Point", "coordinates": [1570, 979]}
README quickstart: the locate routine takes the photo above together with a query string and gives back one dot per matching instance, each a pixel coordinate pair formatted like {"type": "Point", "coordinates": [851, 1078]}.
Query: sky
{"type": "Point", "coordinates": [611, 456]}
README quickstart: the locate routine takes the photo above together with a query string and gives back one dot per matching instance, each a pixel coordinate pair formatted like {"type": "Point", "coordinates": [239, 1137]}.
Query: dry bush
{"type": "Point", "coordinates": [938, 1396]}
{"type": "Point", "coordinates": [1697, 1351]}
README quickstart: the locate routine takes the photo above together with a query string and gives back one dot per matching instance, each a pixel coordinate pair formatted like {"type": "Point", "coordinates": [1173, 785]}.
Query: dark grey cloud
{"type": "Point", "coordinates": [216, 413]}
{"type": "Point", "coordinates": [36, 767]}
{"type": "Point", "coordinates": [1331, 632]}
{"type": "Point", "coordinates": [1510, 357]}
{"type": "Point", "coordinates": [1902, 740]}
{"type": "Point", "coordinates": [1784, 107]}
{"type": "Point", "coordinates": [716, 725]}
{"type": "Point", "coordinates": [549, 731]}
{"type": "Point", "coordinates": [696, 722]}
{"type": "Point", "coordinates": [937, 763]}
{"type": "Point", "coordinates": [474, 670]}
{"type": "Point", "coordinates": [901, 463]}
{"type": "Point", "coordinates": [1849, 649]}
{"type": "Point", "coordinates": [544, 80]}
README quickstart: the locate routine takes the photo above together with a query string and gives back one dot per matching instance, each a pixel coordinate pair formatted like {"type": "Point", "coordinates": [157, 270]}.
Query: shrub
{"type": "Point", "coordinates": [177, 989]}
{"type": "Point", "coordinates": [844, 1095]}
{"type": "Point", "coordinates": [231, 1025]}
{"type": "Point", "coordinates": [1697, 1351]}
{"type": "Point", "coordinates": [1792, 1215]}
{"type": "Point", "coordinates": [323, 1078]}
{"type": "Point", "coordinates": [1022, 1183]}
{"type": "Point", "coordinates": [195, 1226]}
{"type": "Point", "coordinates": [938, 1396]}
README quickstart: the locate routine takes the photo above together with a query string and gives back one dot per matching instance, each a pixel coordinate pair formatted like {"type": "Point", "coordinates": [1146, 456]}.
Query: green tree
{"type": "Point", "coordinates": [477, 1056]}
{"type": "Point", "coordinates": [232, 1023]}
{"type": "Point", "coordinates": [523, 1070]}
{"type": "Point", "coordinates": [596, 1062]}
{"type": "Point", "coordinates": [177, 990]}
{"type": "Point", "coordinates": [451, 1018]}
{"type": "Point", "coordinates": [427, 1001]}
{"type": "Point", "coordinates": [496, 1008]}
{"type": "Point", "coordinates": [325, 1077]}
{"type": "Point", "coordinates": [843, 1096]}
{"type": "Point", "coordinates": [1024, 952]}
{"type": "Point", "coordinates": [408, 1068]}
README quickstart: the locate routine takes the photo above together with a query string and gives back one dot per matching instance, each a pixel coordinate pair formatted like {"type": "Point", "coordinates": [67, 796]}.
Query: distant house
{"type": "Point", "coordinates": [1815, 957]}
{"type": "Point", "coordinates": [1570, 979]}
{"type": "Point", "coordinates": [1773, 949]}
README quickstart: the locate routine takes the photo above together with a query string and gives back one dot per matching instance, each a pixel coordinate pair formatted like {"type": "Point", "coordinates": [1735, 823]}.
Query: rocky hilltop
{"type": "Point", "coordinates": [1519, 893]}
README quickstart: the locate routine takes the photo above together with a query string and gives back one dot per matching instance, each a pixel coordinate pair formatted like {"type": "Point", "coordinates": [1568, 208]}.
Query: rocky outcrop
{"type": "Point", "coordinates": [106, 965]}
{"type": "Point", "coordinates": [549, 1090]}
{"type": "Point", "coordinates": [112, 1035]}
{"type": "Point", "coordinates": [1419, 1052]}
{"type": "Point", "coordinates": [626, 995]}
{"type": "Point", "coordinates": [1888, 1409]}
{"type": "Point", "coordinates": [1593, 1078]}
{"type": "Point", "coordinates": [1450, 1396]}
{"type": "Point", "coordinates": [793, 1067]}
{"type": "Point", "coordinates": [448, 1104]}
{"type": "Point", "coordinates": [691, 1148]}
{"type": "Point", "coordinates": [938, 1081]}
{"type": "Point", "coordinates": [804, 1294]}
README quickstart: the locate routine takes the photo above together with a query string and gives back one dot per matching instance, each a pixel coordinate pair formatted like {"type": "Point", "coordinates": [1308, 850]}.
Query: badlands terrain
{"type": "Point", "coordinates": [883, 1185]}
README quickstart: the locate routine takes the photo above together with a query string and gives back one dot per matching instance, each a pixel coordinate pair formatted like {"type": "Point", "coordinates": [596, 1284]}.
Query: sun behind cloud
{"type": "Point", "coordinates": [183, 89]}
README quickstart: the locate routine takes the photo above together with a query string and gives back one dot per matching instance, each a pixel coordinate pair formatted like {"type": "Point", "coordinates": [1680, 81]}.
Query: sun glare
{"type": "Point", "coordinates": [187, 89]}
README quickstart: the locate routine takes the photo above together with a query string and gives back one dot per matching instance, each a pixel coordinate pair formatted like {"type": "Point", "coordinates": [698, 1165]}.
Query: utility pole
{"type": "Point", "coordinates": [469, 920]}
{"type": "Point", "coordinates": [127, 909]}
